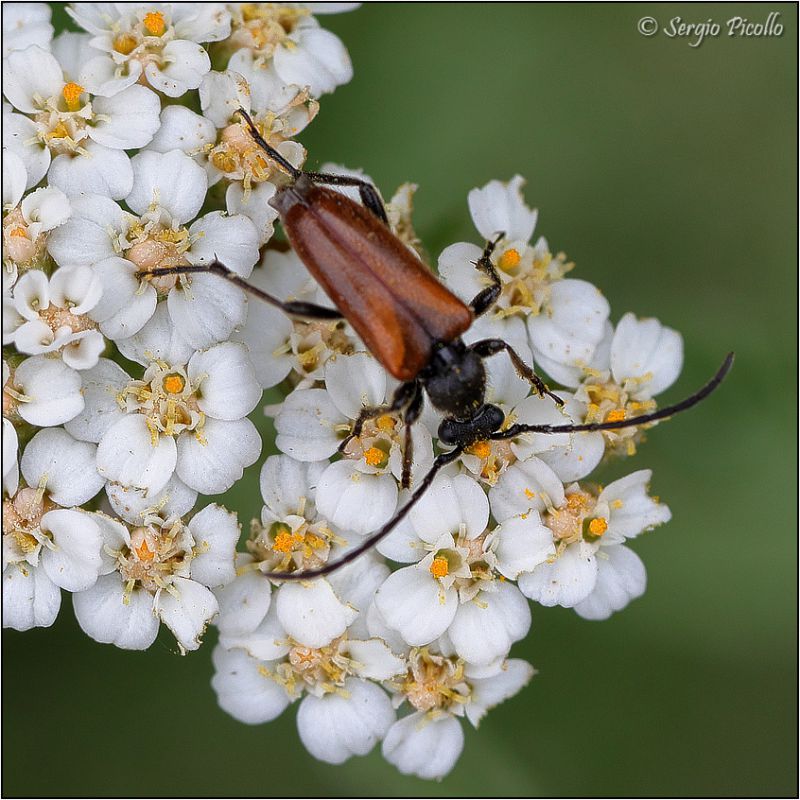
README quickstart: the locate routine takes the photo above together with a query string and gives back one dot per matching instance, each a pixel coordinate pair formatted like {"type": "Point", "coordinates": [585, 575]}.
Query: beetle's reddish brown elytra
{"type": "Point", "coordinates": [411, 323]}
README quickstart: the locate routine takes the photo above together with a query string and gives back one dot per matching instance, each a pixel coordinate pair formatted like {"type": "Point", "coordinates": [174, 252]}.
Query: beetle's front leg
{"type": "Point", "coordinates": [487, 297]}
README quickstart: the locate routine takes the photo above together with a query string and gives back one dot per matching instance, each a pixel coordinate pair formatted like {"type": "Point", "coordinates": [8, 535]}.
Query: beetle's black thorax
{"type": "Point", "coordinates": [455, 380]}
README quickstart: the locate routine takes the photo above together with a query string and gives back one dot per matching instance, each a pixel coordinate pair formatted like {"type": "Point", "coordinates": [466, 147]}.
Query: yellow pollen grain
{"type": "Point", "coordinates": [154, 23]}
{"type": "Point", "coordinates": [385, 423]}
{"type": "Point", "coordinates": [143, 552]}
{"type": "Point", "coordinates": [125, 43]}
{"type": "Point", "coordinates": [72, 95]}
{"type": "Point", "coordinates": [20, 231]}
{"type": "Point", "coordinates": [439, 567]}
{"type": "Point", "coordinates": [509, 259]}
{"type": "Point", "coordinates": [480, 449]}
{"type": "Point", "coordinates": [283, 542]}
{"type": "Point", "coordinates": [174, 384]}
{"type": "Point", "coordinates": [617, 415]}
{"type": "Point", "coordinates": [374, 456]}
{"type": "Point", "coordinates": [529, 494]}
{"type": "Point", "coordinates": [598, 526]}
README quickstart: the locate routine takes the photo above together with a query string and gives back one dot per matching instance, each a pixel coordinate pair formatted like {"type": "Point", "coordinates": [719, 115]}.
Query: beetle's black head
{"type": "Point", "coordinates": [455, 380]}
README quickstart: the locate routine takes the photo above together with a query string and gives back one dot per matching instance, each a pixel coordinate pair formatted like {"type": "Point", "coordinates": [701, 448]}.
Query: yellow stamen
{"type": "Point", "coordinates": [385, 423]}
{"type": "Point", "coordinates": [598, 526]}
{"type": "Point", "coordinates": [20, 231]}
{"type": "Point", "coordinates": [283, 542]}
{"type": "Point", "coordinates": [439, 567]}
{"type": "Point", "coordinates": [174, 384]}
{"type": "Point", "coordinates": [374, 456]}
{"type": "Point", "coordinates": [143, 551]}
{"type": "Point", "coordinates": [617, 415]}
{"type": "Point", "coordinates": [480, 449]}
{"type": "Point", "coordinates": [125, 43]}
{"type": "Point", "coordinates": [509, 259]}
{"type": "Point", "coordinates": [154, 23]}
{"type": "Point", "coordinates": [529, 494]}
{"type": "Point", "coordinates": [72, 95]}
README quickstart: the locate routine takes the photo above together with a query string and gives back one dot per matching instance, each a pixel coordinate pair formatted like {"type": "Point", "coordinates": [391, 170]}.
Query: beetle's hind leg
{"type": "Point", "coordinates": [489, 347]}
{"type": "Point", "coordinates": [367, 192]}
{"type": "Point", "coordinates": [487, 297]}
{"type": "Point", "coordinates": [295, 308]}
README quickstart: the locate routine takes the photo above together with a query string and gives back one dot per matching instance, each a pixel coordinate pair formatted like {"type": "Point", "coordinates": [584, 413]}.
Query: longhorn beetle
{"type": "Point", "coordinates": [408, 319]}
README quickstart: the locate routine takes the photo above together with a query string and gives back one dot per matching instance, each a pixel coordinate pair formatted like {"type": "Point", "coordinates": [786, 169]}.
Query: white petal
{"type": "Point", "coordinates": [648, 353]}
{"type": "Point", "coordinates": [65, 466]}
{"type": "Point", "coordinates": [427, 748]}
{"type": "Point", "coordinates": [103, 171]}
{"type": "Point", "coordinates": [204, 22]}
{"type": "Point", "coordinates": [489, 692]}
{"type": "Point", "coordinates": [334, 727]}
{"type": "Point", "coordinates": [158, 340]}
{"type": "Point", "coordinates": [47, 208]}
{"type": "Point", "coordinates": [568, 580]}
{"type": "Point", "coordinates": [402, 544]}
{"type": "Point", "coordinates": [355, 501]}
{"type": "Point", "coordinates": [268, 642]}
{"type": "Point", "coordinates": [215, 531]}
{"type": "Point", "coordinates": [99, 75]}
{"type": "Point", "coordinates": [231, 240]}
{"type": "Point", "coordinates": [19, 135]}
{"type": "Point", "coordinates": [182, 129]}
{"type": "Point", "coordinates": [185, 64]}
{"type": "Point", "coordinates": [28, 73]}
{"type": "Point", "coordinates": [525, 485]}
{"type": "Point", "coordinates": [172, 180]}
{"type": "Point", "coordinates": [14, 178]}
{"type": "Point", "coordinates": [75, 287]}
{"type": "Point", "coordinates": [374, 660]}
{"type": "Point", "coordinates": [243, 603]}
{"type": "Point", "coordinates": [187, 612]}
{"type": "Point", "coordinates": [126, 455]}
{"type": "Point", "coordinates": [229, 389]}
{"type": "Point", "coordinates": [414, 603]}
{"type": "Point", "coordinates": [286, 484]}
{"type": "Point", "coordinates": [485, 628]}
{"type": "Point", "coordinates": [311, 613]}
{"type": "Point", "coordinates": [207, 311]}
{"type": "Point", "coordinates": [175, 499]}
{"type": "Point", "coordinates": [125, 305]}
{"type": "Point", "coordinates": [451, 501]}
{"type": "Point", "coordinates": [75, 562]}
{"type": "Point", "coordinates": [306, 425]}
{"type": "Point", "coordinates": [54, 390]}
{"type": "Point", "coordinates": [356, 584]}
{"type": "Point", "coordinates": [355, 382]}
{"type": "Point", "coordinates": [29, 601]}
{"type": "Point", "coordinates": [524, 542]}
{"type": "Point", "coordinates": [72, 50]}
{"type": "Point", "coordinates": [621, 577]}
{"type": "Point", "coordinates": [101, 384]}
{"type": "Point", "coordinates": [213, 466]}
{"type": "Point", "coordinates": [131, 118]}
{"type": "Point", "coordinates": [319, 60]}
{"type": "Point", "coordinates": [255, 206]}
{"type": "Point", "coordinates": [632, 510]}
{"type": "Point", "coordinates": [109, 615]}
{"type": "Point", "coordinates": [500, 208]}
{"type": "Point", "coordinates": [457, 269]}
{"type": "Point", "coordinates": [244, 690]}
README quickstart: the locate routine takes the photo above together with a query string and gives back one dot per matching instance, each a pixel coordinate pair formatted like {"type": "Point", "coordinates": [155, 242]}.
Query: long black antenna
{"type": "Point", "coordinates": [662, 413]}
{"type": "Point", "coordinates": [285, 165]}
{"type": "Point", "coordinates": [371, 541]}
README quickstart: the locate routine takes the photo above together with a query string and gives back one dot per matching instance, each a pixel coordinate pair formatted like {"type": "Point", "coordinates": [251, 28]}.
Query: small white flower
{"type": "Point", "coordinates": [85, 136]}
{"type": "Point", "coordinates": [156, 44]}
{"type": "Point", "coordinates": [591, 570]}
{"type": "Point", "coordinates": [358, 493]}
{"type": "Point", "coordinates": [565, 317]}
{"type": "Point", "coordinates": [54, 315]}
{"type": "Point", "coordinates": [440, 688]}
{"type": "Point", "coordinates": [188, 418]}
{"type": "Point", "coordinates": [162, 571]}
{"type": "Point", "coordinates": [284, 37]}
{"type": "Point", "coordinates": [42, 391]}
{"type": "Point", "coordinates": [25, 24]}
{"type": "Point", "coordinates": [168, 191]}
{"type": "Point", "coordinates": [457, 583]}
{"type": "Point", "coordinates": [342, 713]}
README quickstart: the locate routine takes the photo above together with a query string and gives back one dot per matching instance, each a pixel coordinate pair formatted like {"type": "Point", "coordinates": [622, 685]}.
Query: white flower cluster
{"type": "Point", "coordinates": [139, 387]}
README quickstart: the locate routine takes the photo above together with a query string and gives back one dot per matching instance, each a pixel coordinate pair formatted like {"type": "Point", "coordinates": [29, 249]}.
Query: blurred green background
{"type": "Point", "coordinates": [668, 174]}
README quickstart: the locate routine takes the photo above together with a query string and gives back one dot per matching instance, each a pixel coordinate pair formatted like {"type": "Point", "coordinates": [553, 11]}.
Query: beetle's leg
{"type": "Point", "coordinates": [413, 410]}
{"type": "Point", "coordinates": [296, 308]}
{"type": "Point", "coordinates": [487, 297]}
{"type": "Point", "coordinates": [285, 165]}
{"type": "Point", "coordinates": [368, 193]}
{"type": "Point", "coordinates": [441, 460]}
{"type": "Point", "coordinates": [404, 394]}
{"type": "Point", "coordinates": [662, 413]}
{"type": "Point", "coordinates": [489, 347]}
